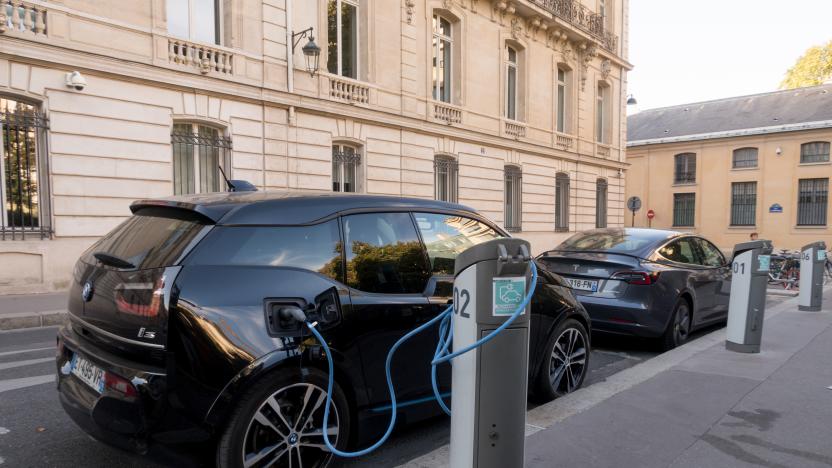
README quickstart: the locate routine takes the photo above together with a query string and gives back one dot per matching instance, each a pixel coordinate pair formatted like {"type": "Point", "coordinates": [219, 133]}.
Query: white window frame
{"type": "Point", "coordinates": [512, 90]}
{"type": "Point", "coordinates": [602, 111]}
{"type": "Point", "coordinates": [218, 23]}
{"type": "Point", "coordinates": [449, 42]}
{"type": "Point", "coordinates": [563, 87]}
{"type": "Point", "coordinates": [225, 155]}
{"type": "Point", "coordinates": [339, 43]}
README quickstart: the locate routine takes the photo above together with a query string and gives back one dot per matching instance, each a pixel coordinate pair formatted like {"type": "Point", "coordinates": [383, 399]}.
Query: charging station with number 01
{"type": "Point", "coordinates": [747, 306]}
{"type": "Point", "coordinates": [489, 384]}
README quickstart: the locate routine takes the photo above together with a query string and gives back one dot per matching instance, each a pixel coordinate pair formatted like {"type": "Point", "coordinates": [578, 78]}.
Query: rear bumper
{"type": "Point", "coordinates": [127, 422]}
{"type": "Point", "coordinates": [625, 317]}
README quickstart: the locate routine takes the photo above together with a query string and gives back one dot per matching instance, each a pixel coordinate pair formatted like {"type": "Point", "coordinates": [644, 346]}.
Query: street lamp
{"type": "Point", "coordinates": [311, 51]}
{"type": "Point", "coordinates": [631, 101]}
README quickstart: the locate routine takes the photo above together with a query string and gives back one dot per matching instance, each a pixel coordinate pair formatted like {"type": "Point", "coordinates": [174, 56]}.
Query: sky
{"type": "Point", "coordinates": [688, 51]}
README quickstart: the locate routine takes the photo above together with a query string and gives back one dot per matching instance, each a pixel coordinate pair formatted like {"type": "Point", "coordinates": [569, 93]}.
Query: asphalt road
{"type": "Point", "coordinates": [35, 431]}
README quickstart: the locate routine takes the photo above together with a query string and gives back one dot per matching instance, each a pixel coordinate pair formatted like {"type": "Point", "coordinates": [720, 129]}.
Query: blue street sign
{"type": "Point", "coordinates": [775, 208]}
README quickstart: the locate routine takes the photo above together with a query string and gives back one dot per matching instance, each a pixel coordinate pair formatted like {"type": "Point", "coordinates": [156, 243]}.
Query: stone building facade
{"type": "Point", "coordinates": [731, 167]}
{"type": "Point", "coordinates": [515, 108]}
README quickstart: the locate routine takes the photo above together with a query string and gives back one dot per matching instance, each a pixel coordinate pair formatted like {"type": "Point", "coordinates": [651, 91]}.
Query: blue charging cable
{"type": "Point", "coordinates": [441, 355]}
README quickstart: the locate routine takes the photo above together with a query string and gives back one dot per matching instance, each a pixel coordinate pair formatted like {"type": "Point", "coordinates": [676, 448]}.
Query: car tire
{"type": "Point", "coordinates": [299, 396]}
{"type": "Point", "coordinates": [679, 327]}
{"type": "Point", "coordinates": [563, 370]}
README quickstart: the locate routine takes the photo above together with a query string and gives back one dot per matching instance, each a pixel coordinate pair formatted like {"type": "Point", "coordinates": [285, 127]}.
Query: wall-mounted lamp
{"type": "Point", "coordinates": [778, 151]}
{"type": "Point", "coordinates": [631, 101]}
{"type": "Point", "coordinates": [311, 51]}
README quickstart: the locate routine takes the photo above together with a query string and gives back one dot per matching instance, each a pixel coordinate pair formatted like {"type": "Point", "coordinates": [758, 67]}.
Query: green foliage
{"type": "Point", "coordinates": [813, 68]}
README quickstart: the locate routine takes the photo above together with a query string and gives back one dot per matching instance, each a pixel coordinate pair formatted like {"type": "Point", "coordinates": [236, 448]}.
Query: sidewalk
{"type": "Point", "coordinates": [32, 310]}
{"type": "Point", "coordinates": [700, 405]}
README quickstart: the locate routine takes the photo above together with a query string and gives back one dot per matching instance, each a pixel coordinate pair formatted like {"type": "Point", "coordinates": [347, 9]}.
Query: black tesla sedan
{"type": "Point", "coordinates": [645, 282]}
{"type": "Point", "coordinates": [175, 336]}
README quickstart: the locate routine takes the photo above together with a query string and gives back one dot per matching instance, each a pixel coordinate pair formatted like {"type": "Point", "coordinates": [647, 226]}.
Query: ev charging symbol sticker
{"type": "Point", "coordinates": [508, 294]}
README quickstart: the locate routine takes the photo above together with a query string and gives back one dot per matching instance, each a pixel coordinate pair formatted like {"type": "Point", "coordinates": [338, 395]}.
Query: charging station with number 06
{"type": "Point", "coordinates": [489, 384]}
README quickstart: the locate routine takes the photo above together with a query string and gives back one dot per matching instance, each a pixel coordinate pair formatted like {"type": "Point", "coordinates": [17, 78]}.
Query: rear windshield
{"type": "Point", "coordinates": [316, 248]}
{"type": "Point", "coordinates": [151, 238]}
{"type": "Point", "coordinates": [605, 242]}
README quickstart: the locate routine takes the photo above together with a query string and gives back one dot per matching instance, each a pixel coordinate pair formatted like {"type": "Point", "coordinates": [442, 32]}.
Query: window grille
{"type": "Point", "coordinates": [743, 203]}
{"type": "Point", "coordinates": [23, 173]}
{"type": "Point", "coordinates": [813, 196]}
{"type": "Point", "coordinates": [198, 153]}
{"type": "Point", "coordinates": [562, 202]}
{"type": "Point", "coordinates": [513, 199]}
{"type": "Point", "coordinates": [345, 163]}
{"type": "Point", "coordinates": [745, 157]}
{"type": "Point", "coordinates": [685, 172]}
{"type": "Point", "coordinates": [446, 172]}
{"type": "Point", "coordinates": [817, 151]}
{"type": "Point", "coordinates": [684, 209]}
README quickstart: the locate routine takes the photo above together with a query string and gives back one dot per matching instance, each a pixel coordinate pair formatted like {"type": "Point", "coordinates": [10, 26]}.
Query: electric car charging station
{"type": "Point", "coordinates": [489, 384]}
{"type": "Point", "coordinates": [747, 306]}
{"type": "Point", "coordinates": [812, 261]}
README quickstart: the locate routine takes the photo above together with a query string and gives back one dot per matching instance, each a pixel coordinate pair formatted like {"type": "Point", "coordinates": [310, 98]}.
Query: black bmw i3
{"type": "Point", "coordinates": [175, 337]}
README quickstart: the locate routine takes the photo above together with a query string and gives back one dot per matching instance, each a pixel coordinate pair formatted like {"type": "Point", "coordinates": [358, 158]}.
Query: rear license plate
{"type": "Point", "coordinates": [583, 285]}
{"type": "Point", "coordinates": [88, 372]}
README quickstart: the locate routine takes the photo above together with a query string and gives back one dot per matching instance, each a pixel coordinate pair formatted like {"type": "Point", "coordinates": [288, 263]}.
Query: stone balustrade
{"type": "Point", "coordinates": [348, 90]}
{"type": "Point", "coordinates": [447, 113]}
{"type": "Point", "coordinates": [564, 141]}
{"type": "Point", "coordinates": [515, 129]}
{"type": "Point", "coordinates": [18, 17]}
{"type": "Point", "coordinates": [204, 58]}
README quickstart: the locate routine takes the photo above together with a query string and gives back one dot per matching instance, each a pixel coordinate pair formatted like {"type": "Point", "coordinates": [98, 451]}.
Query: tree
{"type": "Point", "coordinates": [813, 68]}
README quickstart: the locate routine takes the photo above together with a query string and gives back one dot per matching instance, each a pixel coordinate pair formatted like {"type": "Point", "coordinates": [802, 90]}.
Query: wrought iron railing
{"type": "Point", "coordinates": [23, 196]}
{"type": "Point", "coordinates": [583, 18]}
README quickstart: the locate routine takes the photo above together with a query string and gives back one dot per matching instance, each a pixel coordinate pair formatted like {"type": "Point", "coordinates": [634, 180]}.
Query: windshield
{"type": "Point", "coordinates": [617, 241]}
{"type": "Point", "coordinates": [151, 238]}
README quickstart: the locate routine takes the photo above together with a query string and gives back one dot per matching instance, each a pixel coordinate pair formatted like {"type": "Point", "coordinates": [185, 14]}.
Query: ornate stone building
{"type": "Point", "coordinates": [513, 107]}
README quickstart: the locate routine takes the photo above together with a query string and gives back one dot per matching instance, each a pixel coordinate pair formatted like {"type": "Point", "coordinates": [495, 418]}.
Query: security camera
{"type": "Point", "coordinates": [76, 80]}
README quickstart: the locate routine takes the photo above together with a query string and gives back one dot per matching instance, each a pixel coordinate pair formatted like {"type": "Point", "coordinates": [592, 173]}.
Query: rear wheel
{"type": "Point", "coordinates": [567, 359]}
{"type": "Point", "coordinates": [279, 423]}
{"type": "Point", "coordinates": [678, 330]}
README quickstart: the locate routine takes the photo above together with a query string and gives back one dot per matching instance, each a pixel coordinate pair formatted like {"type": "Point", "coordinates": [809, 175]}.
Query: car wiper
{"type": "Point", "coordinates": [112, 260]}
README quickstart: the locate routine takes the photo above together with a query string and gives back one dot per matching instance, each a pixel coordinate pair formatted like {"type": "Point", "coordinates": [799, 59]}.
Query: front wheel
{"type": "Point", "coordinates": [279, 423]}
{"type": "Point", "coordinates": [678, 330]}
{"type": "Point", "coordinates": [567, 359]}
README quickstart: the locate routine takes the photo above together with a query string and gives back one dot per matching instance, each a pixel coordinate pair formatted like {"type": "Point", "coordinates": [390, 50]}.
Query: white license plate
{"type": "Point", "coordinates": [583, 285]}
{"type": "Point", "coordinates": [88, 373]}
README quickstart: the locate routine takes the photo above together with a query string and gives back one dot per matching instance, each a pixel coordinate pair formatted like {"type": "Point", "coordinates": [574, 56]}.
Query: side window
{"type": "Point", "coordinates": [711, 256]}
{"type": "Point", "coordinates": [384, 254]}
{"type": "Point", "coordinates": [316, 248]}
{"type": "Point", "coordinates": [447, 236]}
{"type": "Point", "coordinates": [681, 251]}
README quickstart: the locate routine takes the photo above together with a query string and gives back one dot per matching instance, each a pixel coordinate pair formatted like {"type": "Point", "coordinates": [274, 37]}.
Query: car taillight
{"type": "Point", "coordinates": [119, 384]}
{"type": "Point", "coordinates": [637, 277]}
{"type": "Point", "coordinates": [144, 299]}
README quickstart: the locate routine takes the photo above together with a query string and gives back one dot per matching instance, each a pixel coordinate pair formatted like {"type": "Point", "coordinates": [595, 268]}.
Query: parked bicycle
{"type": "Point", "coordinates": [784, 269]}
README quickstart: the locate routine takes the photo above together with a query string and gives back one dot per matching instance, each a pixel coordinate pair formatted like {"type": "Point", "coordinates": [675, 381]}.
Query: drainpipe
{"type": "Point", "coordinates": [290, 59]}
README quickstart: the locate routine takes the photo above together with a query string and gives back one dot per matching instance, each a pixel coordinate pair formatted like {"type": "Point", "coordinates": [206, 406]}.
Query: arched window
{"type": "Point", "coordinates": [562, 202]}
{"type": "Point", "coordinates": [601, 203]}
{"type": "Point", "coordinates": [346, 164]}
{"type": "Point", "coordinates": [513, 209]}
{"type": "Point", "coordinates": [200, 152]}
{"type": "Point", "coordinates": [512, 76]}
{"type": "Point", "coordinates": [744, 157]}
{"type": "Point", "coordinates": [446, 175]}
{"type": "Point", "coordinates": [23, 179]}
{"type": "Point", "coordinates": [564, 89]}
{"type": "Point", "coordinates": [443, 61]}
{"type": "Point", "coordinates": [602, 113]}
{"type": "Point", "coordinates": [816, 151]}
{"type": "Point", "coordinates": [684, 168]}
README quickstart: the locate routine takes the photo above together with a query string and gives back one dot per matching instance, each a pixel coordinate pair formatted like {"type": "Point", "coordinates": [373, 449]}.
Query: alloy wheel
{"type": "Point", "coordinates": [568, 362]}
{"type": "Point", "coordinates": [681, 327]}
{"type": "Point", "coordinates": [287, 429]}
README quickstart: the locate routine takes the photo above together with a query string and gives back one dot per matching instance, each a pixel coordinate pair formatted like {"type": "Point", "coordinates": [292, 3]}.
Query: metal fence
{"type": "Point", "coordinates": [743, 203]}
{"type": "Point", "coordinates": [513, 199]}
{"type": "Point", "coordinates": [813, 197]}
{"type": "Point", "coordinates": [23, 177]}
{"type": "Point", "coordinates": [684, 209]}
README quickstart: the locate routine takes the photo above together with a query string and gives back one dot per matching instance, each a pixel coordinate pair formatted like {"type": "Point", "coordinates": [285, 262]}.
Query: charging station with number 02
{"type": "Point", "coordinates": [489, 383]}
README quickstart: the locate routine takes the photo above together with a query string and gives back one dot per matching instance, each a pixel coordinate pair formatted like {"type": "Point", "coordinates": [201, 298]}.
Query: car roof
{"type": "Point", "coordinates": [288, 207]}
{"type": "Point", "coordinates": [654, 237]}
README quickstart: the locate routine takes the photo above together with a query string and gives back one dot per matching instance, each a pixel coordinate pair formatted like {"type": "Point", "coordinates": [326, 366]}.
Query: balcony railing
{"type": "Point", "coordinates": [22, 17]}
{"type": "Point", "coordinates": [447, 113]}
{"type": "Point", "coordinates": [564, 141]}
{"type": "Point", "coordinates": [515, 129]}
{"type": "Point", "coordinates": [348, 90]}
{"type": "Point", "coordinates": [201, 57]}
{"type": "Point", "coordinates": [574, 13]}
